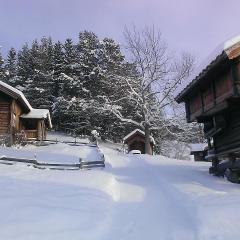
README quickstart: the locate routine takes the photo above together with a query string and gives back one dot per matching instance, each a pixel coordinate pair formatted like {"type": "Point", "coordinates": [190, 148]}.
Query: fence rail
{"type": "Point", "coordinates": [54, 166]}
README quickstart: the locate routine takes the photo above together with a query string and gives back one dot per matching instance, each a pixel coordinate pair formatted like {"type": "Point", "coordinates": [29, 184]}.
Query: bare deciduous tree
{"type": "Point", "coordinates": [152, 88]}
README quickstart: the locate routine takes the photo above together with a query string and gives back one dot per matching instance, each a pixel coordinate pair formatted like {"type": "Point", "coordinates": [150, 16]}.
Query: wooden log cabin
{"type": "Point", "coordinates": [17, 115]}
{"type": "Point", "coordinates": [136, 141]}
{"type": "Point", "coordinates": [213, 98]}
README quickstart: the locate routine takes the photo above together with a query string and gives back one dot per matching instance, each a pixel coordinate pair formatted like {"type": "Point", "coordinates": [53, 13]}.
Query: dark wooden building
{"type": "Point", "coordinates": [136, 141]}
{"type": "Point", "coordinates": [199, 151]}
{"type": "Point", "coordinates": [213, 98]}
{"type": "Point", "coordinates": [17, 116]}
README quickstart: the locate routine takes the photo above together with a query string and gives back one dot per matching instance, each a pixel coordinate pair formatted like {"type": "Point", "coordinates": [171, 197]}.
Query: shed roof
{"type": "Point", "coordinates": [227, 50]}
{"type": "Point", "coordinates": [16, 94]}
{"type": "Point", "coordinates": [198, 147]}
{"type": "Point", "coordinates": [139, 132]}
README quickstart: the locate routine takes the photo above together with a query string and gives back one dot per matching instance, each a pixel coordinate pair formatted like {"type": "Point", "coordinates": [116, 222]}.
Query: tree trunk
{"type": "Point", "coordinates": [147, 140]}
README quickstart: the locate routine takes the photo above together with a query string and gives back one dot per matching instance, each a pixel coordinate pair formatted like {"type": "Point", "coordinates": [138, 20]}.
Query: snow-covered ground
{"type": "Point", "coordinates": [64, 137]}
{"type": "Point", "coordinates": [135, 197]}
{"type": "Point", "coordinates": [61, 152]}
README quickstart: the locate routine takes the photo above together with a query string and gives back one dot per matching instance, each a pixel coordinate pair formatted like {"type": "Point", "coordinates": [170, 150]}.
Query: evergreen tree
{"type": "Point", "coordinates": [39, 85]}
{"type": "Point", "coordinates": [73, 83]}
{"type": "Point", "coordinates": [58, 66]}
{"type": "Point", "coordinates": [60, 113]}
{"type": "Point", "coordinates": [2, 70]}
{"type": "Point", "coordinates": [110, 66]}
{"type": "Point", "coordinates": [88, 57]}
{"type": "Point", "coordinates": [11, 67]}
{"type": "Point", "coordinates": [24, 68]}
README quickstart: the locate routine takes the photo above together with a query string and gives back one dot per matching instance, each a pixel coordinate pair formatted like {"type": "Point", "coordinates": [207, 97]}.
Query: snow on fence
{"type": "Point", "coordinates": [55, 166]}
{"type": "Point", "coordinates": [52, 141]}
{"type": "Point", "coordinates": [57, 152]}
{"type": "Point", "coordinates": [89, 156]}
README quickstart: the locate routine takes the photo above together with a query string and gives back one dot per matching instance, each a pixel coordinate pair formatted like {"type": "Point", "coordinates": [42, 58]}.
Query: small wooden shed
{"type": "Point", "coordinates": [136, 141]}
{"type": "Point", "coordinates": [199, 151]}
{"type": "Point", "coordinates": [18, 116]}
{"type": "Point", "coordinates": [35, 123]}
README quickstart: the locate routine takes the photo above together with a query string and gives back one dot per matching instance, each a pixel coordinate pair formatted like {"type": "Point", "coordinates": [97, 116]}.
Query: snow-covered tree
{"type": "Point", "coordinates": [39, 83]}
{"type": "Point", "coordinates": [88, 47]}
{"type": "Point", "coordinates": [58, 63]}
{"type": "Point", "coordinates": [24, 67]}
{"type": "Point", "coordinates": [110, 65]}
{"type": "Point", "coordinates": [152, 86]}
{"type": "Point", "coordinates": [2, 69]}
{"type": "Point", "coordinates": [71, 69]}
{"type": "Point", "coordinates": [11, 66]}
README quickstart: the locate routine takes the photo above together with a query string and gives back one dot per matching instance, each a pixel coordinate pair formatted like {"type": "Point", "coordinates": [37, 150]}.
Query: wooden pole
{"type": "Point", "coordinates": [147, 140]}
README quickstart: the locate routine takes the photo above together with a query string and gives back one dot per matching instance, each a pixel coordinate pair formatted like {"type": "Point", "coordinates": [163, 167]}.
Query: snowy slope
{"type": "Point", "coordinates": [55, 153]}
{"type": "Point", "coordinates": [61, 152]}
{"type": "Point", "coordinates": [134, 197]}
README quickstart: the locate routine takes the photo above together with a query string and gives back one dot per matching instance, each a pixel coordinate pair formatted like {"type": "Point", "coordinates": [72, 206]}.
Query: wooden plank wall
{"type": "Point", "coordinates": [5, 115]}
{"type": "Point", "coordinates": [229, 137]}
{"type": "Point", "coordinates": [224, 87]}
{"type": "Point", "coordinates": [215, 91]}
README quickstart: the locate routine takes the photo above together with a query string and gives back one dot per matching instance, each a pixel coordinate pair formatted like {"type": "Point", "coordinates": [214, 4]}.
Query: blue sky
{"type": "Point", "coordinates": [197, 26]}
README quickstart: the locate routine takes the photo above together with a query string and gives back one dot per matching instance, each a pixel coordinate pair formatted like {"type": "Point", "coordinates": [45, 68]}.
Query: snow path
{"type": "Point", "coordinates": [181, 200]}
{"type": "Point", "coordinates": [135, 197]}
{"type": "Point", "coordinates": [43, 204]}
{"type": "Point", "coordinates": [161, 209]}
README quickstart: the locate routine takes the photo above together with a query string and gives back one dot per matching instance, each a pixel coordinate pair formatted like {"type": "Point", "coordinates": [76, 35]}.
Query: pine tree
{"type": "Point", "coordinates": [24, 68]}
{"type": "Point", "coordinates": [88, 47]}
{"type": "Point", "coordinates": [110, 65]}
{"type": "Point", "coordinates": [58, 58]}
{"type": "Point", "coordinates": [60, 113]}
{"type": "Point", "coordinates": [11, 68]}
{"type": "Point", "coordinates": [73, 83]}
{"type": "Point", "coordinates": [2, 69]}
{"type": "Point", "coordinates": [39, 84]}
{"type": "Point", "coordinates": [58, 67]}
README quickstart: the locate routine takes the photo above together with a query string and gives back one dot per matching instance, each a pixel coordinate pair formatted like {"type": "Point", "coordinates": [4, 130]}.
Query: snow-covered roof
{"type": "Point", "coordinates": [38, 114]}
{"type": "Point", "coordinates": [137, 131]}
{"type": "Point", "coordinates": [15, 93]}
{"type": "Point", "coordinates": [198, 147]}
{"type": "Point", "coordinates": [224, 51]}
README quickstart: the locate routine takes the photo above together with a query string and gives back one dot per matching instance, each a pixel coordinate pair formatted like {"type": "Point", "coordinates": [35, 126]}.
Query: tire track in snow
{"type": "Point", "coordinates": [165, 212]}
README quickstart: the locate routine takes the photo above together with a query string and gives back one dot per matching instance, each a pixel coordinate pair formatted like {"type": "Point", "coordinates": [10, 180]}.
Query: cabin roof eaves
{"type": "Point", "coordinates": [226, 51]}
{"type": "Point", "coordinates": [220, 58]}
{"type": "Point", "coordinates": [16, 94]}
